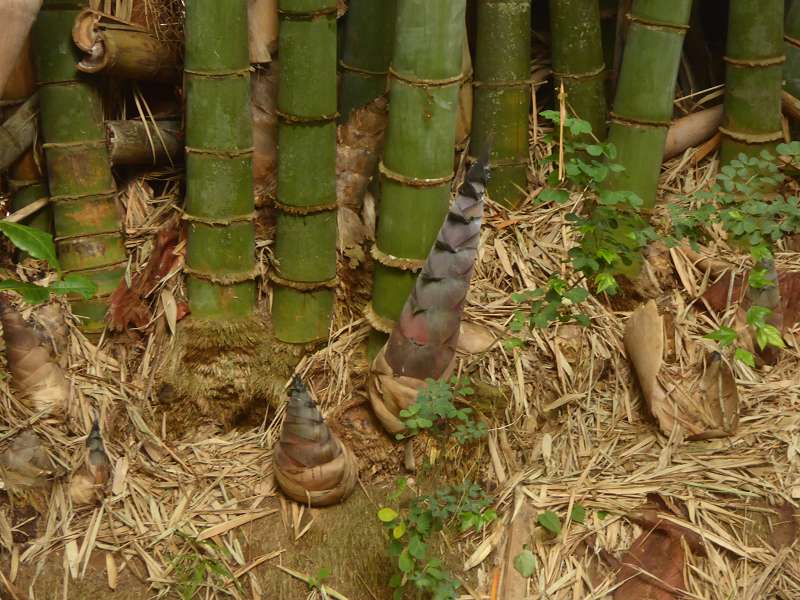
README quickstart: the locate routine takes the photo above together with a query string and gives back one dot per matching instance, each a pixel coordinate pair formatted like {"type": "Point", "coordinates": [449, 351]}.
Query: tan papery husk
{"type": "Point", "coordinates": [702, 398]}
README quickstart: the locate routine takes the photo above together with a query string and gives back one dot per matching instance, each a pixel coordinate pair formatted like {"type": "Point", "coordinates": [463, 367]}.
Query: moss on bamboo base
{"type": "Point", "coordinates": [225, 373]}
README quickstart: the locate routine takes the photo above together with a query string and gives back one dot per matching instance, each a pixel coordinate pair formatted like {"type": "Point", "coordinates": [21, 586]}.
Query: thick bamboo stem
{"type": "Point", "coordinates": [417, 167]}
{"type": "Point", "coordinates": [643, 105]}
{"type": "Point", "coordinates": [503, 95]}
{"type": "Point", "coordinates": [753, 75]}
{"type": "Point", "coordinates": [368, 38]}
{"type": "Point", "coordinates": [578, 59]}
{"type": "Point", "coordinates": [82, 189]}
{"type": "Point", "coordinates": [791, 70]}
{"type": "Point", "coordinates": [305, 243]}
{"type": "Point", "coordinates": [219, 210]}
{"type": "Point", "coordinates": [122, 50]}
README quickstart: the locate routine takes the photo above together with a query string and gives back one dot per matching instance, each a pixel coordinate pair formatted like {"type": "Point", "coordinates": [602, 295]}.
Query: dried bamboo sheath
{"type": "Point", "coordinates": [753, 75]}
{"type": "Point", "coordinates": [578, 59]}
{"type": "Point", "coordinates": [646, 88]}
{"type": "Point", "coordinates": [502, 98]}
{"type": "Point", "coordinates": [219, 210]}
{"type": "Point", "coordinates": [305, 244]}
{"type": "Point", "coordinates": [87, 223]}
{"type": "Point", "coordinates": [417, 167]}
{"type": "Point", "coordinates": [368, 40]}
{"type": "Point", "coordinates": [26, 181]}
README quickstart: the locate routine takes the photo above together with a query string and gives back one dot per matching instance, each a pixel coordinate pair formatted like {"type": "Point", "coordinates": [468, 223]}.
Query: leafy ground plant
{"type": "Point", "coordinates": [748, 201]}
{"type": "Point", "coordinates": [39, 244]}
{"type": "Point", "coordinates": [611, 230]}
{"type": "Point", "coordinates": [411, 529]}
{"type": "Point", "coordinates": [202, 565]}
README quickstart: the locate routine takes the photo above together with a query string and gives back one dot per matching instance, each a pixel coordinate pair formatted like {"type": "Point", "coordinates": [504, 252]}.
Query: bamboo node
{"type": "Point", "coordinates": [377, 322]}
{"type": "Point", "coordinates": [243, 72]}
{"type": "Point", "coordinates": [303, 286]}
{"type": "Point", "coordinates": [428, 83]}
{"type": "Point", "coordinates": [677, 27]}
{"type": "Point", "coordinates": [507, 83]}
{"type": "Point", "coordinates": [231, 279]}
{"type": "Point", "coordinates": [414, 181]}
{"type": "Point", "coordinates": [102, 195]}
{"type": "Point", "coordinates": [636, 122]}
{"type": "Point", "coordinates": [304, 210]}
{"type": "Point", "coordinates": [80, 144]}
{"type": "Point", "coordinates": [752, 138]}
{"type": "Point", "coordinates": [396, 262]}
{"type": "Point", "coordinates": [345, 67]}
{"type": "Point", "coordinates": [755, 62]}
{"type": "Point", "coordinates": [219, 221]}
{"type": "Point", "coordinates": [97, 269]}
{"type": "Point", "coordinates": [237, 153]}
{"type": "Point", "coordinates": [585, 75]}
{"type": "Point", "coordinates": [291, 15]}
{"type": "Point", "coordinates": [791, 41]}
{"type": "Point", "coordinates": [64, 238]}
{"type": "Point", "coordinates": [290, 118]}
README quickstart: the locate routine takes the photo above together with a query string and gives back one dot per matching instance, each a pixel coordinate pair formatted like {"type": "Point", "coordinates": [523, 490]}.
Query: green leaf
{"type": "Point", "coordinates": [577, 295]}
{"type": "Point", "coordinates": [725, 336]}
{"type": "Point", "coordinates": [75, 284]}
{"type": "Point", "coordinates": [746, 357]}
{"type": "Point", "coordinates": [768, 335]}
{"type": "Point", "coordinates": [399, 530]}
{"type": "Point", "coordinates": [605, 282]}
{"type": "Point", "coordinates": [551, 195]}
{"type": "Point", "coordinates": [32, 294]}
{"type": "Point", "coordinates": [39, 244]}
{"type": "Point", "coordinates": [404, 562]}
{"type": "Point", "coordinates": [550, 521]}
{"type": "Point", "coordinates": [594, 150]}
{"type": "Point", "coordinates": [417, 548]}
{"type": "Point", "coordinates": [578, 513]}
{"type": "Point", "coordinates": [387, 515]}
{"type": "Point", "coordinates": [525, 563]}
{"type": "Point", "coordinates": [602, 514]}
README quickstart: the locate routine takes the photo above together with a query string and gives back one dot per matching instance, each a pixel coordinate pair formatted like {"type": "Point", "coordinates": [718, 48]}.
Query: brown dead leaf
{"type": "Point", "coordinates": [653, 567]}
{"type": "Point", "coordinates": [702, 398]}
{"type": "Point", "coordinates": [788, 283]}
{"type": "Point", "coordinates": [128, 307]}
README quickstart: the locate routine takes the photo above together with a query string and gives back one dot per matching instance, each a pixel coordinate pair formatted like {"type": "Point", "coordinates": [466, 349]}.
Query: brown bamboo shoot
{"type": "Point", "coordinates": [139, 143]}
{"type": "Point", "coordinates": [692, 130]}
{"type": "Point", "coordinates": [17, 17]}
{"type": "Point", "coordinates": [262, 22]}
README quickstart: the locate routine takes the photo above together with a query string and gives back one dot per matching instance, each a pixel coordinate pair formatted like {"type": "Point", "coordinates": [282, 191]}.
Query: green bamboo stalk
{"type": "Point", "coordinates": [791, 70]}
{"type": "Point", "coordinates": [578, 59]}
{"type": "Point", "coordinates": [417, 168]}
{"type": "Point", "coordinates": [82, 188]}
{"type": "Point", "coordinates": [643, 105]}
{"type": "Point", "coordinates": [220, 257]}
{"type": "Point", "coordinates": [368, 39]}
{"type": "Point", "coordinates": [305, 244]}
{"type": "Point", "coordinates": [503, 95]}
{"type": "Point", "coordinates": [753, 76]}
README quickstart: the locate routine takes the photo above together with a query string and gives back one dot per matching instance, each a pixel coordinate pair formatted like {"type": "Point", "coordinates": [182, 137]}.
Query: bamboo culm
{"type": "Point", "coordinates": [219, 208]}
{"type": "Point", "coordinates": [82, 188]}
{"type": "Point", "coordinates": [417, 167]}
{"type": "Point", "coordinates": [502, 97]}
{"type": "Point", "coordinates": [754, 60]}
{"type": "Point", "coordinates": [643, 106]}
{"type": "Point", "coordinates": [305, 239]}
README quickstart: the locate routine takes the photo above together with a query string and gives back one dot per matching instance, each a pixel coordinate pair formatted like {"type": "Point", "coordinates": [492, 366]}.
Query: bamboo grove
{"type": "Point", "coordinates": [616, 70]}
